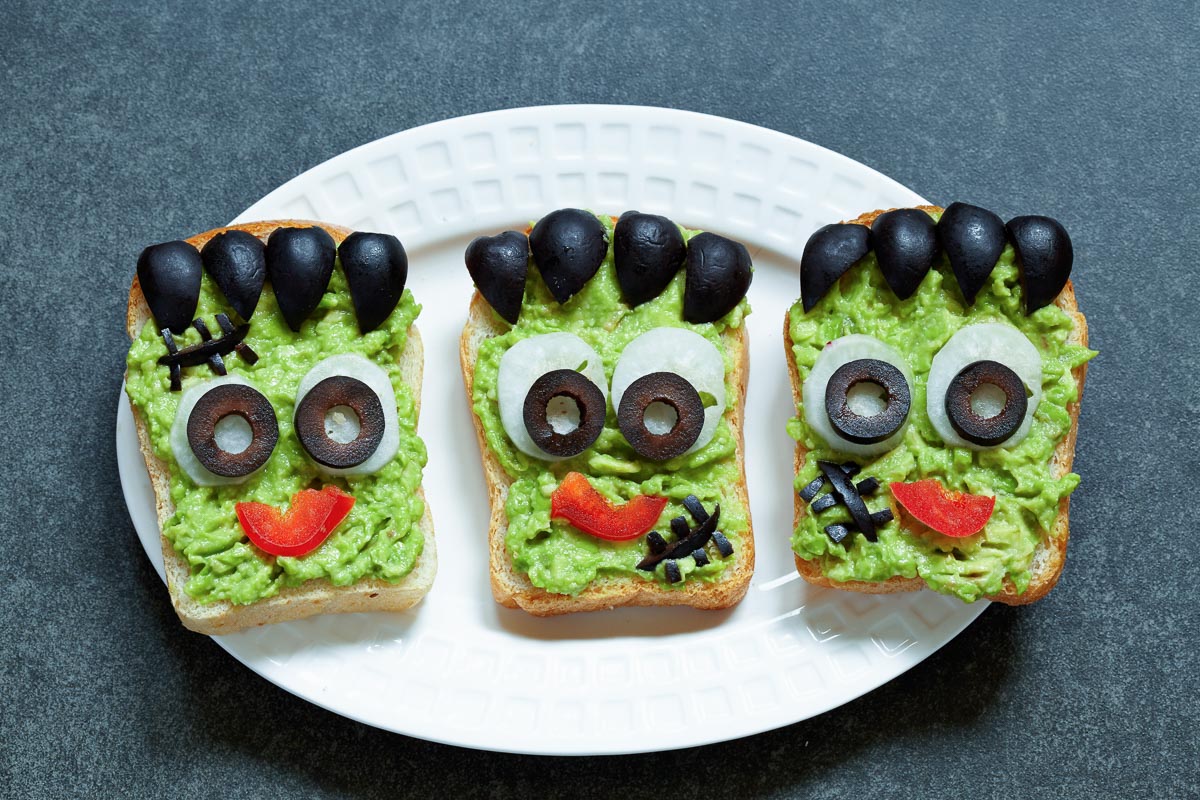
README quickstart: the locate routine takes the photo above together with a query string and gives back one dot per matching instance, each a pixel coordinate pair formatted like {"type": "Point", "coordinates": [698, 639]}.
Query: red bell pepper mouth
{"type": "Point", "coordinates": [955, 514]}
{"type": "Point", "coordinates": [305, 526]}
{"type": "Point", "coordinates": [577, 501]}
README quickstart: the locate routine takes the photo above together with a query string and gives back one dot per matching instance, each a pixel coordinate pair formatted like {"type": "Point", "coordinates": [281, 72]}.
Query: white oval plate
{"type": "Point", "coordinates": [462, 670]}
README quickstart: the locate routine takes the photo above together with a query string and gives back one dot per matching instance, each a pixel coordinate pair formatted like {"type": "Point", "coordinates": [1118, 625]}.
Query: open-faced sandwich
{"type": "Point", "coordinates": [279, 424]}
{"type": "Point", "coordinates": [608, 385]}
{"type": "Point", "coordinates": [937, 360]}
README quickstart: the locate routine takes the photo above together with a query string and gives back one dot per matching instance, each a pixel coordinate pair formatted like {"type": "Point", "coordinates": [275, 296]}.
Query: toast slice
{"type": "Point", "coordinates": [312, 597]}
{"type": "Point", "coordinates": [1051, 553]}
{"type": "Point", "coordinates": [513, 590]}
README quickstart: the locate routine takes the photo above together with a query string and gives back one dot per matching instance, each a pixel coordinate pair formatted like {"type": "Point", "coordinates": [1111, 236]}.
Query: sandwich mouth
{"type": "Point", "coordinates": [302, 528]}
{"type": "Point", "coordinates": [954, 514]}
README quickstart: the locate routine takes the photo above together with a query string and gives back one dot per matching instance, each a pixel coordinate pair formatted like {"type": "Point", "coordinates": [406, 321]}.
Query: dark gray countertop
{"type": "Point", "coordinates": [124, 126]}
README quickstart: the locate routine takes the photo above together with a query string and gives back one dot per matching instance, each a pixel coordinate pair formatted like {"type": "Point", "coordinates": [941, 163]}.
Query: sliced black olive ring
{"type": "Point", "coordinates": [340, 390]}
{"type": "Point", "coordinates": [219, 403]}
{"type": "Point", "coordinates": [875, 428]}
{"type": "Point", "coordinates": [672, 390]}
{"type": "Point", "coordinates": [588, 399]}
{"type": "Point", "coordinates": [993, 430]}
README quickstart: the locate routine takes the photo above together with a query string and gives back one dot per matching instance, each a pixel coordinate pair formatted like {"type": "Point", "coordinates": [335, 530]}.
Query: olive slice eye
{"type": "Point", "coordinates": [979, 415]}
{"type": "Point", "coordinates": [652, 431]}
{"type": "Point", "coordinates": [328, 415]}
{"type": "Point", "coordinates": [564, 412]}
{"type": "Point", "coordinates": [858, 415]}
{"type": "Point", "coordinates": [346, 418]}
{"type": "Point", "coordinates": [220, 447]}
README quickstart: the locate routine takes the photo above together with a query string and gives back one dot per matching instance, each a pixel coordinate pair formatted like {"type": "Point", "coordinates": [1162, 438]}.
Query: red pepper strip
{"type": "Point", "coordinates": [308, 522]}
{"type": "Point", "coordinates": [956, 514]}
{"type": "Point", "coordinates": [579, 504]}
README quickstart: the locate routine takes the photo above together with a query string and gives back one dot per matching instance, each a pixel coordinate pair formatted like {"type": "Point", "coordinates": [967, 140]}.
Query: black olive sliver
{"type": "Point", "coordinates": [680, 528]}
{"type": "Point", "coordinates": [882, 517]}
{"type": "Point", "coordinates": [671, 571]}
{"type": "Point", "coordinates": [851, 469]}
{"type": "Point", "coordinates": [845, 490]}
{"type": "Point", "coordinates": [698, 538]}
{"type": "Point", "coordinates": [867, 486]}
{"type": "Point", "coordinates": [656, 542]}
{"type": "Point", "coordinates": [837, 531]}
{"type": "Point", "coordinates": [724, 546]}
{"type": "Point", "coordinates": [810, 491]}
{"type": "Point", "coordinates": [824, 503]}
{"type": "Point", "coordinates": [695, 508]}
{"type": "Point", "coordinates": [700, 556]}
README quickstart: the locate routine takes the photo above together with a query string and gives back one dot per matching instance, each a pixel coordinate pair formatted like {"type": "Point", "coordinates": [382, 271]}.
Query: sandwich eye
{"type": "Point", "coordinates": [984, 387]}
{"type": "Point", "coordinates": [224, 431]}
{"type": "Point", "coordinates": [551, 393]}
{"type": "Point", "coordinates": [346, 416]}
{"type": "Point", "coordinates": [669, 391]}
{"type": "Point", "coordinates": [858, 395]}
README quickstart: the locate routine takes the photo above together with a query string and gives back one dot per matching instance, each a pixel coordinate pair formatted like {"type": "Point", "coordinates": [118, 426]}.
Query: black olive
{"type": "Point", "coordinates": [218, 403]}
{"type": "Point", "coordinates": [973, 239]}
{"type": "Point", "coordinates": [647, 251]}
{"type": "Point", "coordinates": [340, 390]}
{"type": "Point", "coordinates": [828, 253]}
{"type": "Point", "coordinates": [906, 244]}
{"type": "Point", "coordinates": [568, 247]}
{"type": "Point", "coordinates": [688, 544]}
{"type": "Point", "coordinates": [498, 266]}
{"type": "Point", "coordinates": [169, 276]}
{"type": "Point", "coordinates": [235, 262]}
{"type": "Point", "coordinates": [1044, 255]}
{"type": "Point", "coordinates": [843, 487]}
{"type": "Point", "coordinates": [672, 390]}
{"type": "Point", "coordinates": [587, 397]}
{"type": "Point", "coordinates": [376, 268]}
{"type": "Point", "coordinates": [986, 431]}
{"type": "Point", "coordinates": [867, 430]}
{"type": "Point", "coordinates": [719, 271]}
{"type": "Point", "coordinates": [299, 264]}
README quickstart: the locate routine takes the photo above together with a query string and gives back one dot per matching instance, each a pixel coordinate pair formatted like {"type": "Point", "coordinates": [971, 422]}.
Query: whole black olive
{"type": "Point", "coordinates": [236, 263]}
{"type": "Point", "coordinates": [376, 268]}
{"type": "Point", "coordinates": [973, 239]}
{"type": "Point", "coordinates": [299, 264]}
{"type": "Point", "coordinates": [906, 243]}
{"type": "Point", "coordinates": [568, 247]}
{"type": "Point", "coordinates": [647, 251]}
{"type": "Point", "coordinates": [1044, 255]}
{"type": "Point", "coordinates": [828, 253]}
{"type": "Point", "coordinates": [169, 276]}
{"type": "Point", "coordinates": [719, 271]}
{"type": "Point", "coordinates": [498, 266]}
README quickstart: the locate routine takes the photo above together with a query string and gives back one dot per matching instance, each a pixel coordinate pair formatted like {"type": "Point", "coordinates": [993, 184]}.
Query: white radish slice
{"type": "Point", "coordinates": [836, 354]}
{"type": "Point", "coordinates": [341, 422]}
{"type": "Point", "coordinates": [525, 362]}
{"type": "Point", "coordinates": [986, 341]}
{"type": "Point", "coordinates": [687, 354]}
{"type": "Point", "coordinates": [230, 436]}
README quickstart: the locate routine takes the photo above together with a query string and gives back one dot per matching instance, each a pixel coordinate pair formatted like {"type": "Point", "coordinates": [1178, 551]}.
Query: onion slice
{"type": "Point", "coordinates": [685, 353]}
{"type": "Point", "coordinates": [525, 362]}
{"type": "Point", "coordinates": [353, 365]}
{"type": "Point", "coordinates": [985, 341]}
{"type": "Point", "coordinates": [836, 354]}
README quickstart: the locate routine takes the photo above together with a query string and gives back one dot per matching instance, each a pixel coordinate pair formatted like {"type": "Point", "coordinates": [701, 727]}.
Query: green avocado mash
{"type": "Point", "coordinates": [1027, 495]}
{"type": "Point", "coordinates": [556, 556]}
{"type": "Point", "coordinates": [379, 539]}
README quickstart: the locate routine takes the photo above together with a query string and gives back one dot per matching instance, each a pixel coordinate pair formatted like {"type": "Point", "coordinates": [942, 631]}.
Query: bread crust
{"type": "Point", "coordinates": [513, 590]}
{"type": "Point", "coordinates": [312, 597]}
{"type": "Point", "coordinates": [1051, 553]}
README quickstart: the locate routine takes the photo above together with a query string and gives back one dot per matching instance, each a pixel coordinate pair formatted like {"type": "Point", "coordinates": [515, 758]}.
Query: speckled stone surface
{"type": "Point", "coordinates": [126, 125]}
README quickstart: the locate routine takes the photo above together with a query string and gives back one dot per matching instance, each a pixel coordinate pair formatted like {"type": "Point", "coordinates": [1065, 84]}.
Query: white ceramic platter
{"type": "Point", "coordinates": [460, 669]}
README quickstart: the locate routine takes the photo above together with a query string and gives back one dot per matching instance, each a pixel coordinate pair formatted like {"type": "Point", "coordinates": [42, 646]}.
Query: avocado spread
{"type": "Point", "coordinates": [555, 556]}
{"type": "Point", "coordinates": [1027, 493]}
{"type": "Point", "coordinates": [379, 539]}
